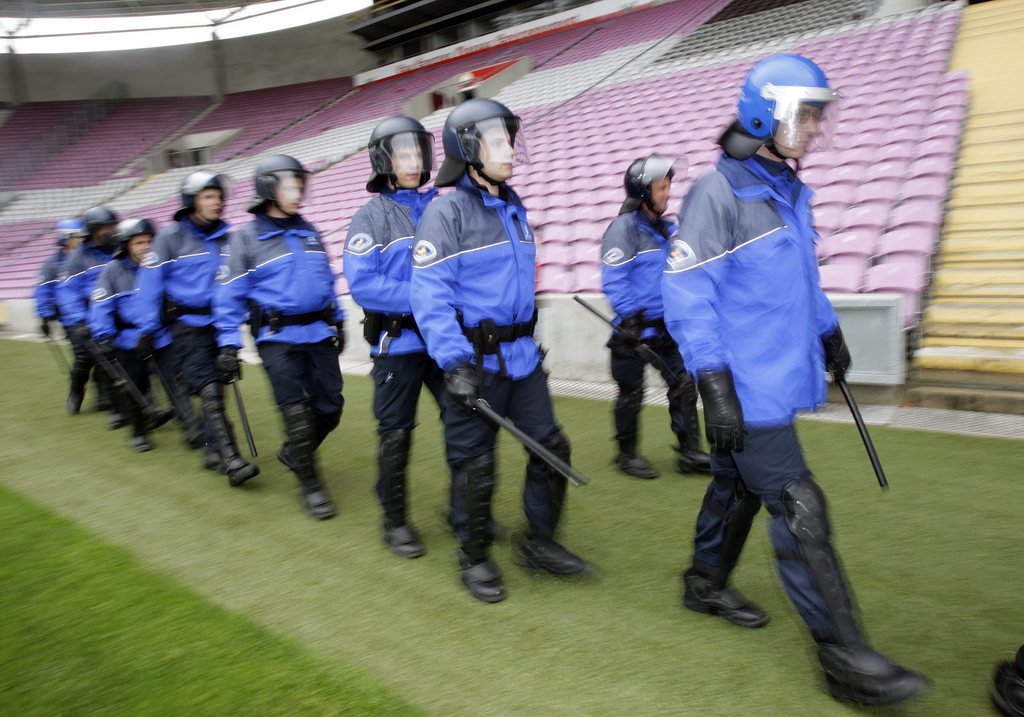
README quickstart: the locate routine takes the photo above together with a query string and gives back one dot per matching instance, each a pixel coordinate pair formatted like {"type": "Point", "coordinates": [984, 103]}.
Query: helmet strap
{"type": "Point", "coordinates": [769, 144]}
{"type": "Point", "coordinates": [479, 167]}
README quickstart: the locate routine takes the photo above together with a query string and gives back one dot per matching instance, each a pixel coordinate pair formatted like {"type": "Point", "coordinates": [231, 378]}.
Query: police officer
{"type": "Point", "coordinates": [1008, 686]}
{"type": "Point", "coordinates": [113, 324]}
{"type": "Point", "coordinates": [69, 236]}
{"type": "Point", "coordinates": [278, 276]}
{"type": "Point", "coordinates": [78, 279]}
{"type": "Point", "coordinates": [472, 295]}
{"type": "Point", "coordinates": [742, 299]}
{"type": "Point", "coordinates": [378, 266]}
{"type": "Point", "coordinates": [633, 254]}
{"type": "Point", "coordinates": [176, 288]}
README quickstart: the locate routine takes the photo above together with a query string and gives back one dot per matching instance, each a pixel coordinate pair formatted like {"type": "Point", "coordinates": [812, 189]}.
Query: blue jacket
{"type": "Point", "coordinates": [114, 310]}
{"type": "Point", "coordinates": [281, 267]}
{"type": "Point", "coordinates": [633, 255]}
{"type": "Point", "coordinates": [378, 261]}
{"type": "Point", "coordinates": [81, 272]}
{"type": "Point", "coordinates": [46, 285]}
{"type": "Point", "coordinates": [741, 289]}
{"type": "Point", "coordinates": [182, 267]}
{"type": "Point", "coordinates": [474, 256]}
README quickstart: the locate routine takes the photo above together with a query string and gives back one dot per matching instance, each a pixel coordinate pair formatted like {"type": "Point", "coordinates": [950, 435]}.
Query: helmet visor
{"type": "Point", "coordinates": [494, 141]}
{"type": "Point", "coordinates": [407, 153]}
{"type": "Point", "coordinates": [805, 117]}
{"type": "Point", "coordinates": [291, 186]}
{"type": "Point", "coordinates": [657, 167]}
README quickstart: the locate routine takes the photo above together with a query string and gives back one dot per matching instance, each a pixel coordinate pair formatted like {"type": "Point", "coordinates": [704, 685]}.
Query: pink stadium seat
{"type": "Point", "coordinates": [917, 212]}
{"type": "Point", "coordinates": [867, 215]}
{"type": "Point", "coordinates": [878, 189]}
{"type": "Point", "coordinates": [912, 241]}
{"type": "Point", "coordinates": [555, 279]}
{"type": "Point", "coordinates": [906, 278]}
{"type": "Point", "coordinates": [927, 187]}
{"type": "Point", "coordinates": [841, 278]}
{"type": "Point", "coordinates": [861, 245]}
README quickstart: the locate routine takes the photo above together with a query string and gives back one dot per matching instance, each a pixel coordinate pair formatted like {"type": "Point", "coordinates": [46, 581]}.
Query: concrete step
{"type": "Point", "coordinates": [995, 152]}
{"type": "Point", "coordinates": [1000, 320]}
{"type": "Point", "coordinates": [966, 398]}
{"type": "Point", "coordinates": [1016, 344]}
{"type": "Point", "coordinates": [979, 295]}
{"type": "Point", "coordinates": [986, 193]}
{"type": "Point", "coordinates": [981, 259]}
{"type": "Point", "coordinates": [1006, 364]}
{"type": "Point", "coordinates": [1009, 129]}
{"type": "Point", "coordinates": [981, 242]}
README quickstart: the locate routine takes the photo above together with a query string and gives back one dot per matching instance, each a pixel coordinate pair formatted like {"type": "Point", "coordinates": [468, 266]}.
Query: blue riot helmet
{"type": "Point", "coordinates": [270, 171]}
{"type": "Point", "coordinates": [784, 104]}
{"type": "Point", "coordinates": [477, 132]}
{"type": "Point", "coordinates": [640, 175]}
{"type": "Point", "coordinates": [399, 145]}
{"type": "Point", "coordinates": [132, 227]}
{"type": "Point", "coordinates": [96, 218]}
{"type": "Point", "coordinates": [194, 184]}
{"type": "Point", "coordinates": [67, 228]}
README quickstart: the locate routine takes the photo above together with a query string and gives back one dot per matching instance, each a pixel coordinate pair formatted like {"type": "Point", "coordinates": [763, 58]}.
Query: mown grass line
{"type": "Point", "coordinates": [931, 561]}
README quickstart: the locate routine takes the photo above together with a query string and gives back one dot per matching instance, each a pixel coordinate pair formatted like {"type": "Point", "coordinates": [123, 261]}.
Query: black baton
{"type": "Point", "coordinates": [553, 461]}
{"type": "Point", "coordinates": [646, 352]}
{"type": "Point", "coordinates": [244, 418]}
{"type": "Point", "coordinates": [118, 375]}
{"type": "Point", "coordinates": [58, 356]}
{"type": "Point", "coordinates": [862, 427]}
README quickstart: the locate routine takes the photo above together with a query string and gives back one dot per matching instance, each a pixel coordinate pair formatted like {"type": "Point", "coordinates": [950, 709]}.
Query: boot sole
{"type": "Point", "coordinates": [1002, 705]}
{"type": "Point", "coordinates": [697, 606]}
{"type": "Point", "coordinates": [242, 475]}
{"type": "Point", "coordinates": [843, 692]}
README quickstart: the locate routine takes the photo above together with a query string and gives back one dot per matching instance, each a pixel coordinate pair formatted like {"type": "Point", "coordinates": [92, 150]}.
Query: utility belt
{"type": "Point", "coordinates": [487, 336]}
{"type": "Point", "coordinates": [171, 311]}
{"type": "Point", "coordinates": [393, 324]}
{"type": "Point", "coordinates": [656, 324]}
{"type": "Point", "coordinates": [120, 324]}
{"type": "Point", "coordinates": [274, 320]}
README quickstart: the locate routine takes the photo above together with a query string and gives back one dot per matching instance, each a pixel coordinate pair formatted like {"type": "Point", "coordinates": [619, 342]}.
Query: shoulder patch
{"type": "Point", "coordinates": [360, 243]}
{"type": "Point", "coordinates": [151, 259]}
{"type": "Point", "coordinates": [312, 240]}
{"type": "Point", "coordinates": [613, 255]}
{"type": "Point", "coordinates": [423, 252]}
{"type": "Point", "coordinates": [98, 294]}
{"type": "Point", "coordinates": [223, 272]}
{"type": "Point", "coordinates": [680, 255]}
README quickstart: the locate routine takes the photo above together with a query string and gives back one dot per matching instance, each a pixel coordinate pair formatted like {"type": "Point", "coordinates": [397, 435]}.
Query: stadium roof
{"type": "Point", "coordinates": [107, 8]}
{"type": "Point", "coordinates": [49, 26]}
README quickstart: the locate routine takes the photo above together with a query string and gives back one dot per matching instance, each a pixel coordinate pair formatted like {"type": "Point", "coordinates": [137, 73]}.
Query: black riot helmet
{"type": "Point", "coordinates": [194, 184]}
{"type": "Point", "coordinates": [129, 228]}
{"type": "Point", "coordinates": [462, 134]}
{"type": "Point", "coordinates": [97, 217]}
{"type": "Point", "coordinates": [639, 177]}
{"type": "Point", "coordinates": [389, 138]}
{"type": "Point", "coordinates": [269, 172]}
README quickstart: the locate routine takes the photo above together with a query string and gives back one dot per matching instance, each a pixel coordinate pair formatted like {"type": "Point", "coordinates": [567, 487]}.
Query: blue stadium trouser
{"type": "Point", "coordinates": [196, 348]}
{"type": "Point", "coordinates": [771, 458]}
{"type": "Point", "coordinates": [304, 373]}
{"type": "Point", "coordinates": [527, 404]}
{"type": "Point", "coordinates": [628, 372]}
{"type": "Point", "coordinates": [396, 392]}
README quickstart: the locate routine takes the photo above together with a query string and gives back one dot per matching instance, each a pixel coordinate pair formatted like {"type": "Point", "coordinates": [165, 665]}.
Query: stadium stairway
{"type": "Point", "coordinates": [971, 354]}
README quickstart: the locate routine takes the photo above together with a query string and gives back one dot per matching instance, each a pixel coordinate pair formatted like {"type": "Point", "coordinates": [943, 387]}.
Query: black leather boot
{"type": "Point", "coordinates": [301, 432]}
{"type": "Point", "coordinates": [480, 575]}
{"type": "Point", "coordinates": [703, 594]}
{"type": "Point", "coordinates": [691, 458]}
{"type": "Point", "coordinates": [237, 469]}
{"type": "Point", "coordinates": [392, 459]}
{"type": "Point", "coordinates": [856, 673]}
{"type": "Point", "coordinates": [1008, 686]}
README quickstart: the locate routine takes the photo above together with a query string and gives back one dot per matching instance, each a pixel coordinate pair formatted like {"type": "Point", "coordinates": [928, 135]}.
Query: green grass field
{"type": "Point", "coordinates": [143, 585]}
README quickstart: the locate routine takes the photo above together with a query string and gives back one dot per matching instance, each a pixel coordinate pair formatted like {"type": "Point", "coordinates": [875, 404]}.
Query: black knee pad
{"type": "Point", "coordinates": [395, 442]}
{"type": "Point", "coordinates": [327, 422]}
{"type": "Point", "coordinates": [559, 445]}
{"type": "Point", "coordinates": [298, 421]}
{"type": "Point", "coordinates": [633, 400]}
{"type": "Point", "coordinates": [479, 470]}
{"type": "Point", "coordinates": [806, 511]}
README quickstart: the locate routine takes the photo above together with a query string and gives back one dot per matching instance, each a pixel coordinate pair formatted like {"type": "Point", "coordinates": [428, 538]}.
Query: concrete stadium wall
{"type": "Point", "coordinates": [872, 325]}
{"type": "Point", "coordinates": [318, 51]}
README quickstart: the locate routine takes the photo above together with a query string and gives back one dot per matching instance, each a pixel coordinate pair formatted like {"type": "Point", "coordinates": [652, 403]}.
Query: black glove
{"type": "Point", "coordinates": [44, 327]}
{"type": "Point", "coordinates": [723, 415]}
{"type": "Point", "coordinates": [631, 328]}
{"type": "Point", "coordinates": [106, 347]}
{"type": "Point", "coordinates": [228, 365]}
{"type": "Point", "coordinates": [462, 384]}
{"type": "Point", "coordinates": [340, 341]}
{"type": "Point", "coordinates": [144, 346]}
{"type": "Point", "coordinates": [683, 388]}
{"type": "Point", "coordinates": [80, 332]}
{"type": "Point", "coordinates": [837, 355]}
